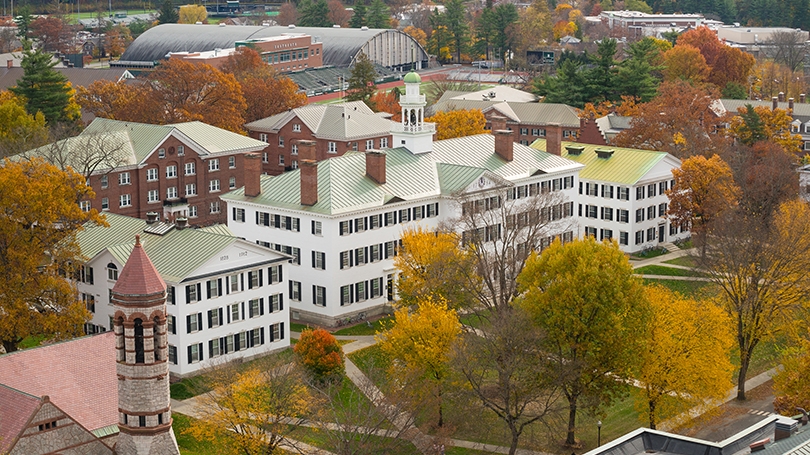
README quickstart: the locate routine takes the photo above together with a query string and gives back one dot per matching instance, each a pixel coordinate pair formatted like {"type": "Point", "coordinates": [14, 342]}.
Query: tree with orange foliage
{"type": "Point", "coordinates": [705, 40]}
{"type": "Point", "coordinates": [685, 62]}
{"type": "Point", "coordinates": [387, 101]}
{"type": "Point", "coordinates": [627, 107]}
{"type": "Point", "coordinates": [727, 64]}
{"type": "Point", "coordinates": [338, 14]}
{"type": "Point", "coordinates": [117, 40]}
{"type": "Point", "coordinates": [679, 121]}
{"type": "Point", "coordinates": [758, 123]}
{"type": "Point", "coordinates": [321, 355]}
{"type": "Point", "coordinates": [52, 32]}
{"type": "Point", "coordinates": [462, 122]}
{"type": "Point", "coordinates": [266, 91]}
{"type": "Point", "coordinates": [287, 14]}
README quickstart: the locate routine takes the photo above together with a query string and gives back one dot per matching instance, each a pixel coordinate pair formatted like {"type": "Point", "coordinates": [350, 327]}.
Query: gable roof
{"type": "Point", "coordinates": [78, 375]}
{"type": "Point", "coordinates": [78, 77]}
{"type": "Point", "coordinates": [16, 409]}
{"type": "Point", "coordinates": [723, 106]}
{"type": "Point", "coordinates": [520, 112]}
{"type": "Point", "coordinates": [453, 164]}
{"type": "Point", "coordinates": [175, 254]}
{"type": "Point", "coordinates": [625, 166]}
{"type": "Point", "coordinates": [345, 121]}
{"type": "Point", "coordinates": [136, 141]}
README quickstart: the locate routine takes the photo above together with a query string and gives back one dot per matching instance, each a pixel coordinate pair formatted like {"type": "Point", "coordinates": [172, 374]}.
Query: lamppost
{"type": "Point", "coordinates": [598, 433]}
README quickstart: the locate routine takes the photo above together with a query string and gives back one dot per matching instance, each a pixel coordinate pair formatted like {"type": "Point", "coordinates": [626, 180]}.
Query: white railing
{"type": "Point", "coordinates": [424, 127]}
{"type": "Point", "coordinates": [411, 99]}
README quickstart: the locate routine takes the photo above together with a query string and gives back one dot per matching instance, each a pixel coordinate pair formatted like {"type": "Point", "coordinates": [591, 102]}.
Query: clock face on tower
{"type": "Point", "coordinates": [481, 182]}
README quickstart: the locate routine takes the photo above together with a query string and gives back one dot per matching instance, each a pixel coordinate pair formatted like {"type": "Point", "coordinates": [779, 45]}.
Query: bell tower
{"type": "Point", "coordinates": [412, 132]}
{"type": "Point", "coordinates": [144, 411]}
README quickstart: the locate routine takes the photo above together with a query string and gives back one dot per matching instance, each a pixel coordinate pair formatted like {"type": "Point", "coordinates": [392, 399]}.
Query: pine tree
{"type": "Point", "coordinates": [379, 15]}
{"type": "Point", "coordinates": [361, 82]}
{"type": "Point", "coordinates": [358, 19]}
{"type": "Point", "coordinates": [23, 22]}
{"type": "Point", "coordinates": [314, 14]}
{"type": "Point", "coordinates": [456, 21]}
{"type": "Point", "coordinates": [167, 14]}
{"type": "Point", "coordinates": [44, 89]}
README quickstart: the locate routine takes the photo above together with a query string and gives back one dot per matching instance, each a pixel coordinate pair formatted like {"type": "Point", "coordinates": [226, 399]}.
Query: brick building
{"type": "Point", "coordinates": [288, 52]}
{"type": "Point", "coordinates": [336, 129]}
{"type": "Point", "coordinates": [174, 170]}
{"type": "Point", "coordinates": [525, 118]}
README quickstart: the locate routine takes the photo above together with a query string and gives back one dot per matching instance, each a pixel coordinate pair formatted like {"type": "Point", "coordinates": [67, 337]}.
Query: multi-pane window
{"type": "Point", "coordinates": [190, 168]}
{"type": "Point", "coordinates": [192, 211]}
{"type": "Point", "coordinates": [276, 303]}
{"type": "Point", "coordinates": [105, 182]}
{"type": "Point", "coordinates": [650, 234]}
{"type": "Point", "coordinates": [233, 282]}
{"type": "Point", "coordinates": [239, 214]}
{"type": "Point", "coordinates": [369, 144]}
{"type": "Point", "coordinates": [124, 179]}
{"type": "Point", "coordinates": [296, 127]}
{"type": "Point", "coordinates": [281, 141]}
{"type": "Point", "coordinates": [360, 256]}
{"type": "Point", "coordinates": [254, 279]}
{"type": "Point", "coordinates": [650, 212]}
{"type": "Point", "coordinates": [624, 193]}
{"type": "Point", "coordinates": [173, 354]}
{"type": "Point", "coordinates": [233, 311]}
{"type": "Point", "coordinates": [214, 207]}
{"type": "Point", "coordinates": [231, 162]}
{"type": "Point", "coordinates": [639, 193]}
{"type": "Point", "coordinates": [360, 291]}
{"type": "Point", "coordinates": [152, 196]}
{"type": "Point", "coordinates": [317, 227]}
{"type": "Point", "coordinates": [193, 322]}
{"type": "Point", "coordinates": [151, 174]}
{"type": "Point", "coordinates": [85, 206]}
{"type": "Point", "coordinates": [622, 216]}
{"type": "Point", "coordinates": [195, 353]}
{"type": "Point", "coordinates": [232, 183]}
{"type": "Point", "coordinates": [112, 272]}
{"type": "Point", "coordinates": [215, 317]}
{"type": "Point", "coordinates": [319, 295]}
{"type": "Point", "coordinates": [294, 149]}
{"type": "Point", "coordinates": [639, 215]}
{"type": "Point", "coordinates": [213, 164]}
{"type": "Point", "coordinates": [295, 291]}
{"type": "Point", "coordinates": [171, 171]}
{"type": "Point", "coordinates": [213, 185]}
{"type": "Point", "coordinates": [622, 238]}
{"type": "Point", "coordinates": [274, 274]}
{"type": "Point", "coordinates": [161, 153]}
{"type": "Point", "coordinates": [651, 190]}
{"type": "Point", "coordinates": [332, 147]}
{"type": "Point", "coordinates": [662, 187]}
{"type": "Point", "coordinates": [181, 150]}
{"type": "Point", "coordinates": [375, 252]}
{"type": "Point", "coordinates": [171, 192]}
{"type": "Point", "coordinates": [214, 288]}
{"type": "Point", "coordinates": [191, 189]}
{"type": "Point", "coordinates": [263, 137]}
{"type": "Point", "coordinates": [281, 160]}
{"type": "Point", "coordinates": [319, 260]}
{"type": "Point", "coordinates": [255, 307]}
{"type": "Point", "coordinates": [383, 142]}
{"type": "Point", "coordinates": [345, 295]}
{"type": "Point", "coordinates": [105, 203]}
{"type": "Point", "coordinates": [662, 209]}
{"type": "Point", "coordinates": [125, 200]}
{"type": "Point", "coordinates": [639, 237]}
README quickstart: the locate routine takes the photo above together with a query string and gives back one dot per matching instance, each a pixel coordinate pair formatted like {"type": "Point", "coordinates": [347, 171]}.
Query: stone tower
{"type": "Point", "coordinates": [144, 412]}
{"type": "Point", "coordinates": [413, 133]}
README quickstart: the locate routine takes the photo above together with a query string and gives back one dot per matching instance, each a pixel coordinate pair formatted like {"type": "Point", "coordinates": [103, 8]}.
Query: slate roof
{"type": "Point", "coordinates": [453, 164]}
{"type": "Point", "coordinates": [340, 44]}
{"type": "Point", "coordinates": [78, 375]}
{"type": "Point", "coordinates": [138, 140]}
{"type": "Point", "coordinates": [78, 77]}
{"type": "Point", "coordinates": [16, 408]}
{"type": "Point", "coordinates": [341, 122]}
{"type": "Point", "coordinates": [175, 254]}
{"type": "Point", "coordinates": [139, 276]}
{"type": "Point", "coordinates": [520, 112]}
{"type": "Point", "coordinates": [625, 166]}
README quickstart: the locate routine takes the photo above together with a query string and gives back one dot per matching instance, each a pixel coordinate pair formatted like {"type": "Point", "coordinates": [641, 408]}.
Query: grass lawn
{"type": "Point", "coordinates": [663, 270]}
{"type": "Point", "coordinates": [476, 319]}
{"type": "Point", "coordinates": [648, 254]}
{"type": "Point", "coordinates": [31, 341]}
{"type": "Point", "coordinates": [688, 288]}
{"type": "Point", "coordinates": [685, 261]}
{"type": "Point", "coordinates": [364, 329]}
{"type": "Point", "coordinates": [189, 445]}
{"type": "Point", "coordinates": [296, 327]}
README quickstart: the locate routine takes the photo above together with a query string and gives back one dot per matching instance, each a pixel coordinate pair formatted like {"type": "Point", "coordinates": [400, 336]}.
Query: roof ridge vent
{"type": "Point", "coordinates": [604, 153]}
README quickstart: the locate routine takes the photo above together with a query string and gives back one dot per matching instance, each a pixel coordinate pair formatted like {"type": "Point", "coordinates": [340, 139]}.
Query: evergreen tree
{"type": "Point", "coordinates": [754, 126]}
{"type": "Point", "coordinates": [23, 22]}
{"type": "Point", "coordinates": [600, 79]}
{"type": "Point", "coordinates": [358, 19]}
{"type": "Point", "coordinates": [43, 88]}
{"type": "Point", "coordinates": [484, 30]}
{"type": "Point", "coordinates": [314, 14]}
{"type": "Point", "coordinates": [361, 82]}
{"type": "Point", "coordinates": [167, 14]}
{"type": "Point", "coordinates": [503, 16]}
{"type": "Point", "coordinates": [379, 15]}
{"type": "Point", "coordinates": [456, 21]}
{"type": "Point", "coordinates": [566, 87]}
{"type": "Point", "coordinates": [635, 74]}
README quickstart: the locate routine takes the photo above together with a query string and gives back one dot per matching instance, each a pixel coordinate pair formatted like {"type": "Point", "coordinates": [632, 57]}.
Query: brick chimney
{"type": "Point", "coordinates": [375, 166]}
{"type": "Point", "coordinates": [504, 145]}
{"type": "Point", "coordinates": [774, 103]}
{"type": "Point", "coordinates": [790, 103]}
{"type": "Point", "coordinates": [589, 132]}
{"type": "Point", "coordinates": [554, 138]}
{"type": "Point", "coordinates": [9, 63]}
{"type": "Point", "coordinates": [309, 181]}
{"type": "Point", "coordinates": [497, 122]}
{"type": "Point", "coordinates": [781, 97]}
{"type": "Point", "coordinates": [253, 175]}
{"type": "Point", "coordinates": [802, 98]}
{"type": "Point", "coordinates": [306, 150]}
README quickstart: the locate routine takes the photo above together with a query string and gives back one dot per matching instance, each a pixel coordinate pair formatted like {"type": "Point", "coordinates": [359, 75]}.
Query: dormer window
{"type": "Point", "coordinates": [112, 272]}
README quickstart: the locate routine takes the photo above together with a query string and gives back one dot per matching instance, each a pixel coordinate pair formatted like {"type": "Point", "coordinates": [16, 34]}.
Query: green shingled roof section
{"type": "Point", "coordinates": [143, 137]}
{"type": "Point", "coordinates": [343, 185]}
{"type": "Point", "coordinates": [218, 140]}
{"type": "Point", "coordinates": [626, 166]}
{"type": "Point", "coordinates": [93, 239]}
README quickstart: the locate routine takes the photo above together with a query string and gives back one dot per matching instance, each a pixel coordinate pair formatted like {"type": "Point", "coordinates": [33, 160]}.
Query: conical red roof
{"type": "Point", "coordinates": [139, 276]}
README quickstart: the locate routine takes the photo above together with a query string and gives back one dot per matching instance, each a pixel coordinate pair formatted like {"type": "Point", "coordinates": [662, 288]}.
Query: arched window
{"type": "Point", "coordinates": [112, 272]}
{"type": "Point", "coordinates": [157, 341]}
{"type": "Point", "coordinates": [139, 341]}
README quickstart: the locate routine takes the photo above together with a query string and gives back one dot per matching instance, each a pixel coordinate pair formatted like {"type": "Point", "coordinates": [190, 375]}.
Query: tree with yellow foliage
{"type": "Point", "coordinates": [458, 123]}
{"type": "Point", "coordinates": [19, 130]}
{"type": "Point", "coordinates": [686, 355]}
{"type": "Point", "coordinates": [416, 33]}
{"type": "Point", "coordinates": [191, 14]}
{"type": "Point", "coordinates": [420, 341]}
{"type": "Point", "coordinates": [704, 189]}
{"type": "Point", "coordinates": [432, 264]}
{"type": "Point", "coordinates": [250, 411]}
{"type": "Point", "coordinates": [41, 217]}
{"type": "Point", "coordinates": [762, 123]}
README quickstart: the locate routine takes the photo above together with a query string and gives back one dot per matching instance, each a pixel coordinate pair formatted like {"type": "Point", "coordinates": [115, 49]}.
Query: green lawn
{"type": "Point", "coordinates": [688, 288]}
{"type": "Point", "coordinates": [647, 254]}
{"type": "Point", "coordinates": [296, 327]}
{"type": "Point", "coordinates": [685, 261]}
{"type": "Point", "coordinates": [188, 444]}
{"type": "Point", "coordinates": [31, 341]}
{"type": "Point", "coordinates": [364, 329]}
{"type": "Point", "coordinates": [668, 271]}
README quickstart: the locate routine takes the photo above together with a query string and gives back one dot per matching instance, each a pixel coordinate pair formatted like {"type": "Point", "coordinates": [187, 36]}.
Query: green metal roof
{"type": "Point", "coordinates": [143, 138]}
{"type": "Point", "coordinates": [105, 431]}
{"type": "Point", "coordinates": [625, 166]}
{"type": "Point", "coordinates": [221, 229]}
{"type": "Point", "coordinates": [412, 78]}
{"type": "Point", "coordinates": [452, 165]}
{"type": "Point", "coordinates": [176, 254]}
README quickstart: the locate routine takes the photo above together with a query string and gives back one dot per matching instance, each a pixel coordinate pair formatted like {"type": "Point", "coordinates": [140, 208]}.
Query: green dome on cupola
{"type": "Point", "coordinates": [412, 78]}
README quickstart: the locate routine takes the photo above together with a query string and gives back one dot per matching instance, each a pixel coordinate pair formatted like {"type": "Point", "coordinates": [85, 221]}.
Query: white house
{"type": "Point", "coordinates": [341, 219]}
{"type": "Point", "coordinates": [621, 194]}
{"type": "Point", "coordinates": [225, 296]}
